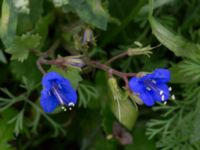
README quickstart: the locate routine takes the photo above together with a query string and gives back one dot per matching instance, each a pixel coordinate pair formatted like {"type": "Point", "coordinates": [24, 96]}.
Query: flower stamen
{"type": "Point", "coordinates": [162, 97]}
{"type": "Point", "coordinates": [161, 92]}
{"type": "Point", "coordinates": [59, 86]}
{"type": "Point", "coordinates": [71, 105]}
{"type": "Point", "coordinates": [173, 97]}
{"type": "Point", "coordinates": [56, 93]}
{"type": "Point", "coordinates": [63, 108]}
{"type": "Point", "coordinates": [148, 88]}
{"type": "Point", "coordinates": [151, 84]}
{"type": "Point", "coordinates": [170, 88]}
{"type": "Point", "coordinates": [153, 81]}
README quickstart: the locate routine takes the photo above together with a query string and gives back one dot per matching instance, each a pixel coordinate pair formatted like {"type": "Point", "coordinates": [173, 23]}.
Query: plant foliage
{"type": "Point", "coordinates": [98, 45]}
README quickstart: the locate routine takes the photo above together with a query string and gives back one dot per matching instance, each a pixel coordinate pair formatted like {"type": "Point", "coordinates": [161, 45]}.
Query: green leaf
{"type": "Point", "coordinates": [2, 57]}
{"type": "Point", "coordinates": [59, 3]}
{"type": "Point", "coordinates": [36, 10]}
{"type": "Point", "coordinates": [128, 113]}
{"type": "Point", "coordinates": [21, 46]}
{"type": "Point", "coordinates": [6, 133]}
{"type": "Point", "coordinates": [157, 4]}
{"type": "Point", "coordinates": [120, 104]}
{"type": "Point", "coordinates": [141, 138]}
{"type": "Point", "coordinates": [8, 22]}
{"type": "Point", "coordinates": [27, 69]}
{"type": "Point", "coordinates": [22, 6]}
{"type": "Point", "coordinates": [186, 70]}
{"type": "Point", "coordinates": [42, 26]}
{"type": "Point", "coordinates": [72, 74]}
{"type": "Point", "coordinates": [86, 94]}
{"type": "Point", "coordinates": [196, 128]}
{"type": "Point", "coordinates": [174, 42]}
{"type": "Point", "coordinates": [91, 12]}
{"type": "Point", "coordinates": [176, 75]}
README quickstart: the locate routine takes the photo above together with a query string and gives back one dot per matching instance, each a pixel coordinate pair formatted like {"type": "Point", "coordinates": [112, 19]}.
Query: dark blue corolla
{"type": "Point", "coordinates": [152, 87]}
{"type": "Point", "coordinates": [57, 90]}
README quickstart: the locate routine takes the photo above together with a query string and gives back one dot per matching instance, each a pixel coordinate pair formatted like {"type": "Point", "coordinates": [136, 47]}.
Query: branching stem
{"type": "Point", "coordinates": [112, 71]}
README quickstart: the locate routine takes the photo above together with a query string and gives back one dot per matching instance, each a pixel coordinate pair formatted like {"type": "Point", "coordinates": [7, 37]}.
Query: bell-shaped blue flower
{"type": "Point", "coordinates": [152, 87]}
{"type": "Point", "coordinates": [57, 90]}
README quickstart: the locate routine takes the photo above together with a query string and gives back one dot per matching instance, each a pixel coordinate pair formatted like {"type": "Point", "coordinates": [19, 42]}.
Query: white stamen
{"type": "Point", "coordinates": [173, 97]}
{"type": "Point", "coordinates": [71, 104]}
{"type": "Point", "coordinates": [170, 88]}
{"type": "Point", "coordinates": [70, 108]}
{"type": "Point", "coordinates": [162, 97]}
{"type": "Point", "coordinates": [58, 97]}
{"type": "Point", "coordinates": [148, 88]}
{"type": "Point", "coordinates": [154, 81]}
{"type": "Point", "coordinates": [63, 108]}
{"type": "Point", "coordinates": [49, 93]}
{"type": "Point", "coordinates": [165, 102]}
{"type": "Point", "coordinates": [161, 92]}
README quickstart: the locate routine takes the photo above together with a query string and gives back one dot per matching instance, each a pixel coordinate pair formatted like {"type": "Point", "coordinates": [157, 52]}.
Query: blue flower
{"type": "Point", "coordinates": [152, 87]}
{"type": "Point", "coordinates": [57, 90]}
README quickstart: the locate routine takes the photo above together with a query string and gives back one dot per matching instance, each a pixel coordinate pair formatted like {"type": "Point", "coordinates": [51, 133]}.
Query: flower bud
{"type": "Point", "coordinates": [114, 88]}
{"type": "Point", "coordinates": [121, 106]}
{"type": "Point", "coordinates": [74, 61]}
{"type": "Point", "coordinates": [88, 36]}
{"type": "Point", "coordinates": [140, 51]}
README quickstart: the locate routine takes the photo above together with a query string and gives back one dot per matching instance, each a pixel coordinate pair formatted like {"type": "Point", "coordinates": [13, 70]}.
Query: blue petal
{"type": "Point", "coordinates": [48, 102]}
{"type": "Point", "coordinates": [49, 77]}
{"type": "Point", "coordinates": [68, 92]}
{"type": "Point", "coordinates": [136, 85]}
{"type": "Point", "coordinates": [161, 75]}
{"type": "Point", "coordinates": [146, 97]}
{"type": "Point", "coordinates": [166, 93]}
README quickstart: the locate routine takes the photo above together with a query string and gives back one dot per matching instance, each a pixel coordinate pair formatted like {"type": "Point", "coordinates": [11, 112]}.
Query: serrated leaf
{"type": "Point", "coordinates": [72, 74]}
{"type": "Point", "coordinates": [174, 42]}
{"type": "Point", "coordinates": [8, 22]}
{"type": "Point", "coordinates": [21, 46]}
{"type": "Point", "coordinates": [91, 12]}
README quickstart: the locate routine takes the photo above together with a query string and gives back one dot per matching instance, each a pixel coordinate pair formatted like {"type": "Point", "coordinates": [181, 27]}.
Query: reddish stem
{"type": "Point", "coordinates": [95, 64]}
{"type": "Point", "coordinates": [117, 57]}
{"type": "Point", "coordinates": [110, 70]}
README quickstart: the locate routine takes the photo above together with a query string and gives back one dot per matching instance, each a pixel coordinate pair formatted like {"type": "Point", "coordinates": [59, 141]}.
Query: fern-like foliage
{"type": "Point", "coordinates": [177, 127]}
{"type": "Point", "coordinates": [191, 67]}
{"type": "Point", "coordinates": [21, 119]}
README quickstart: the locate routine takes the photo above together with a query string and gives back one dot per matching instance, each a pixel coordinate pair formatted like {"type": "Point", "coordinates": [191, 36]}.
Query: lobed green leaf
{"type": "Point", "coordinates": [22, 45]}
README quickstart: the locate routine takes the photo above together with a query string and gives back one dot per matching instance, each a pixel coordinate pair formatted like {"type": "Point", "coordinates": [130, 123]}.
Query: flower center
{"type": "Point", "coordinates": [57, 92]}
{"type": "Point", "coordinates": [152, 85]}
